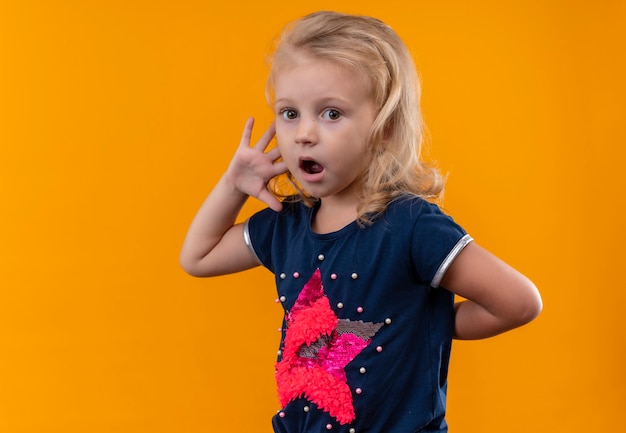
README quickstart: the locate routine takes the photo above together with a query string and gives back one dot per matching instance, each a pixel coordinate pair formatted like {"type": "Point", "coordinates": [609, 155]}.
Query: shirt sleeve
{"type": "Point", "coordinates": [437, 241]}
{"type": "Point", "coordinates": [258, 231]}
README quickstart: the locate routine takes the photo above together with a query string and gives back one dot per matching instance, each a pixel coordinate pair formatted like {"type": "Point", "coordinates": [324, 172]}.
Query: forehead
{"type": "Point", "coordinates": [310, 76]}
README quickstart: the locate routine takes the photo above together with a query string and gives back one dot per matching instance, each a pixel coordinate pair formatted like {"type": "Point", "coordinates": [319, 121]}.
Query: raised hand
{"type": "Point", "coordinates": [252, 168]}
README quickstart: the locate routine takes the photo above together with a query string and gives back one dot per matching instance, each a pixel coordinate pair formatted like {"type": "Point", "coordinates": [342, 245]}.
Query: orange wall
{"type": "Point", "coordinates": [116, 117]}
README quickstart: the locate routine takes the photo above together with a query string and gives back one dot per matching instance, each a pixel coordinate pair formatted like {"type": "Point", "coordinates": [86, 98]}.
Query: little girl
{"type": "Point", "coordinates": [365, 267]}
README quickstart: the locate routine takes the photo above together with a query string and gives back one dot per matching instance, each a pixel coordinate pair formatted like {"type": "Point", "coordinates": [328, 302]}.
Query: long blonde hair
{"type": "Point", "coordinates": [371, 48]}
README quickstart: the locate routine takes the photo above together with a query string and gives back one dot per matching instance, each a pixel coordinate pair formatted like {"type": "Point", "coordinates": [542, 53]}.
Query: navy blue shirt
{"type": "Point", "coordinates": [367, 331]}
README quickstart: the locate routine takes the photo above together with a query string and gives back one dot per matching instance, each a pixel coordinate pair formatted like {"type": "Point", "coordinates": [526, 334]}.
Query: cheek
{"type": "Point", "coordinates": [285, 152]}
{"type": "Point", "coordinates": [282, 135]}
{"type": "Point", "coordinates": [280, 140]}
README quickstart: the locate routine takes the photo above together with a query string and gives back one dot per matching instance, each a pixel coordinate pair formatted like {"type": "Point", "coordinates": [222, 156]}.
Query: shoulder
{"type": "Point", "coordinates": [435, 237]}
{"type": "Point", "coordinates": [268, 231]}
{"type": "Point", "coordinates": [410, 207]}
{"type": "Point", "coordinates": [293, 214]}
{"type": "Point", "coordinates": [411, 217]}
{"type": "Point", "coordinates": [427, 223]}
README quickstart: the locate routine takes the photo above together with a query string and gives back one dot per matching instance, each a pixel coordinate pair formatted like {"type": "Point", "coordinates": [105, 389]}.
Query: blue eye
{"type": "Point", "coordinates": [332, 114]}
{"type": "Point", "coordinates": [289, 114]}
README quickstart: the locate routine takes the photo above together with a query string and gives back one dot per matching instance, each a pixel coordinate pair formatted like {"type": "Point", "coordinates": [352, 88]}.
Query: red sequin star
{"type": "Point", "coordinates": [317, 347]}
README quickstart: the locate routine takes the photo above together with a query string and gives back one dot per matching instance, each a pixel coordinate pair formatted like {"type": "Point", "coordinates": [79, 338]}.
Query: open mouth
{"type": "Point", "coordinates": [310, 166]}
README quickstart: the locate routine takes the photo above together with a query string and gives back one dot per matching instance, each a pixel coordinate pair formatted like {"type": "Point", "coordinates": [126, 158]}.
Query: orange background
{"type": "Point", "coordinates": [116, 118]}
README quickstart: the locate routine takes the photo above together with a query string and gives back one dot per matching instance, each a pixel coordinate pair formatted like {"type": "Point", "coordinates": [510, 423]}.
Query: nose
{"type": "Point", "coordinates": [306, 132]}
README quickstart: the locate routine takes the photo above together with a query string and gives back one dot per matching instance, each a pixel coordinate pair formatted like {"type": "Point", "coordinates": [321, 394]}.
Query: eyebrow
{"type": "Point", "coordinates": [323, 101]}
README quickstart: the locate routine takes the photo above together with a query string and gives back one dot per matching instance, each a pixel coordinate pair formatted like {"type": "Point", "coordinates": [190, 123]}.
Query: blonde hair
{"type": "Point", "coordinates": [371, 48]}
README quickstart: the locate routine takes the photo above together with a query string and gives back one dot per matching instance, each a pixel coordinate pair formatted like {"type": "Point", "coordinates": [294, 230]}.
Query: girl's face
{"type": "Point", "coordinates": [323, 117]}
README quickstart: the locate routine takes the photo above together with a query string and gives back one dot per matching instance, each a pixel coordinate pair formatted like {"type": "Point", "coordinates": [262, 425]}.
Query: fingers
{"type": "Point", "coordinates": [280, 168]}
{"type": "Point", "coordinates": [273, 154]}
{"type": "Point", "coordinates": [270, 200]}
{"type": "Point", "coordinates": [247, 133]}
{"type": "Point", "coordinates": [255, 165]}
{"type": "Point", "coordinates": [266, 138]}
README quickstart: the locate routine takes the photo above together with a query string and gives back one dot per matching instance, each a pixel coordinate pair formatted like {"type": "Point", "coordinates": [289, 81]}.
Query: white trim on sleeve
{"type": "Point", "coordinates": [247, 240]}
{"type": "Point", "coordinates": [462, 243]}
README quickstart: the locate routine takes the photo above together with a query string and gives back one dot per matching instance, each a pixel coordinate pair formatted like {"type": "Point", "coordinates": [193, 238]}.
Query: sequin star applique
{"type": "Point", "coordinates": [317, 348]}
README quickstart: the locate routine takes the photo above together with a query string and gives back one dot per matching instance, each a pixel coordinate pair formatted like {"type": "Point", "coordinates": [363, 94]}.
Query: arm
{"type": "Point", "coordinates": [214, 244]}
{"type": "Point", "coordinates": [498, 298]}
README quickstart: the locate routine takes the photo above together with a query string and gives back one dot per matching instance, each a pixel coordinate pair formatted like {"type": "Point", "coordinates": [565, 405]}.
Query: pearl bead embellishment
{"type": "Point", "coordinates": [333, 276]}
{"type": "Point", "coordinates": [388, 321]}
{"type": "Point", "coordinates": [281, 414]}
{"type": "Point", "coordinates": [329, 426]}
{"type": "Point", "coordinates": [282, 299]}
{"type": "Point", "coordinates": [379, 349]}
{"type": "Point", "coordinates": [358, 390]}
{"type": "Point", "coordinates": [283, 276]}
{"type": "Point", "coordinates": [362, 370]}
{"type": "Point", "coordinates": [296, 274]}
{"type": "Point", "coordinates": [306, 408]}
{"type": "Point", "coordinates": [340, 305]}
{"type": "Point", "coordinates": [354, 276]}
{"type": "Point", "coordinates": [359, 309]}
{"type": "Point", "coordinates": [320, 257]}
